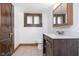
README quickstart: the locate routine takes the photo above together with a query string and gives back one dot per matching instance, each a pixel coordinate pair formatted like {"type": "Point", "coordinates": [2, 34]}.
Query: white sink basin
{"type": "Point", "coordinates": [59, 36]}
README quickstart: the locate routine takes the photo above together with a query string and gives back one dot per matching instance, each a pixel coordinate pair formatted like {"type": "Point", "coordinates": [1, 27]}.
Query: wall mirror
{"type": "Point", "coordinates": [63, 15]}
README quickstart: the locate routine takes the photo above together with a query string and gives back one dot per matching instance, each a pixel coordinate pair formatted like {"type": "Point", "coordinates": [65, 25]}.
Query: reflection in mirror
{"type": "Point", "coordinates": [60, 21]}
{"type": "Point", "coordinates": [59, 18]}
{"type": "Point", "coordinates": [54, 20]}
{"type": "Point", "coordinates": [60, 13]}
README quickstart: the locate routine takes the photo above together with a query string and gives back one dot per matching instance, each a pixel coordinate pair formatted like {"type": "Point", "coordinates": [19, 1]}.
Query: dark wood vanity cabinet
{"type": "Point", "coordinates": [6, 29]}
{"type": "Point", "coordinates": [47, 46]}
{"type": "Point", "coordinates": [60, 47]}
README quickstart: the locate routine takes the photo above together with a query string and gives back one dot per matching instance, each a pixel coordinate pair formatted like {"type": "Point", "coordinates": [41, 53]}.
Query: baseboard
{"type": "Point", "coordinates": [25, 44]}
{"type": "Point", "coordinates": [16, 48]}
{"type": "Point", "coordinates": [31, 44]}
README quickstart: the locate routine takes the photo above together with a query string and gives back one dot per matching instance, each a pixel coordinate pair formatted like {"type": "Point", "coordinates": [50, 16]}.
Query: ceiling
{"type": "Point", "coordinates": [33, 6]}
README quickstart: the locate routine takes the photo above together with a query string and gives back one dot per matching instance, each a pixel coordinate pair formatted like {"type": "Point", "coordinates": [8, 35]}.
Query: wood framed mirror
{"type": "Point", "coordinates": [63, 15]}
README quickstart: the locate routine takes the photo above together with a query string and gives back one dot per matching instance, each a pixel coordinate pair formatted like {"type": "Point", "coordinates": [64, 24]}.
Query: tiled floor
{"type": "Point", "coordinates": [28, 51]}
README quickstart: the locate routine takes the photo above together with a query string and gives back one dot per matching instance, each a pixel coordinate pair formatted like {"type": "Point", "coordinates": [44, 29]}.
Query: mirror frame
{"type": "Point", "coordinates": [69, 15]}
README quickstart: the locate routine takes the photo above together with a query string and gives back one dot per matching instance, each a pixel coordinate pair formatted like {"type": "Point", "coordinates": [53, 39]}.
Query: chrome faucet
{"type": "Point", "coordinates": [60, 32]}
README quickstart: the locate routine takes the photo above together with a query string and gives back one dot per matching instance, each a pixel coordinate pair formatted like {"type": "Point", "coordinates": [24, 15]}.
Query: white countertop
{"type": "Point", "coordinates": [56, 36]}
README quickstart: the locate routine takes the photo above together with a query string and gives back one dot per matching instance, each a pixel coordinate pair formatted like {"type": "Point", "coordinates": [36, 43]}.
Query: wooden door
{"type": "Point", "coordinates": [6, 29]}
{"type": "Point", "coordinates": [12, 28]}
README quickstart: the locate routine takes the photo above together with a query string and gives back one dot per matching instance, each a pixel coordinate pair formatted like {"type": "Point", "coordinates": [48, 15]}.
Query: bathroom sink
{"type": "Point", "coordinates": [61, 36]}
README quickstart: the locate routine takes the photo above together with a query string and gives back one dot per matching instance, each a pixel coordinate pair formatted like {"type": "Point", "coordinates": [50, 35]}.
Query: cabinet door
{"type": "Point", "coordinates": [66, 47]}
{"type": "Point", "coordinates": [78, 46]}
{"type": "Point", "coordinates": [72, 47]}
{"type": "Point", "coordinates": [59, 47]}
{"type": "Point", "coordinates": [49, 49]}
{"type": "Point", "coordinates": [43, 44]}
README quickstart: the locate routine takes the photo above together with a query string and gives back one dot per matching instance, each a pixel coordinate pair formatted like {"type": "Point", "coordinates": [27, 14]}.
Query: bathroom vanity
{"type": "Point", "coordinates": [60, 45]}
